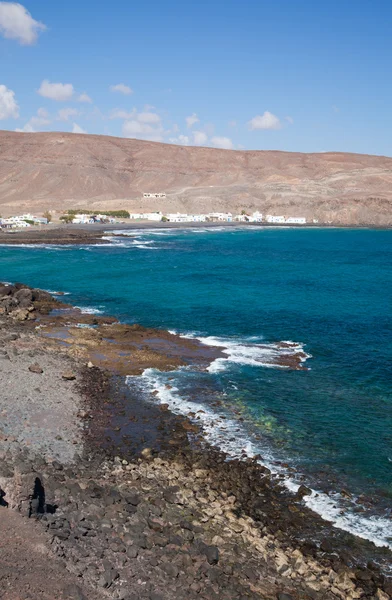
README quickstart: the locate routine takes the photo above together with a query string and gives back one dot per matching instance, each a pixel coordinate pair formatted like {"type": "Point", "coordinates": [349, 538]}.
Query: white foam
{"type": "Point", "coordinates": [230, 436]}
{"type": "Point", "coordinates": [89, 310]}
{"type": "Point", "coordinates": [256, 355]}
{"type": "Point", "coordinates": [54, 293]}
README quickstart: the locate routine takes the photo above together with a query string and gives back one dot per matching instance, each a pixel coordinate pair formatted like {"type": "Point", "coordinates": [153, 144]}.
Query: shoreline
{"type": "Point", "coordinates": [95, 233]}
{"type": "Point", "coordinates": [262, 512]}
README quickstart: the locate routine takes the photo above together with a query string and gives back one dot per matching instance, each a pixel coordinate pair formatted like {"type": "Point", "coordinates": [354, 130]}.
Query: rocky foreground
{"type": "Point", "coordinates": [169, 520]}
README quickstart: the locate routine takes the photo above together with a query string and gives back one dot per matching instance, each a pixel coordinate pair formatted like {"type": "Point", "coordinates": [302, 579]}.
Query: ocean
{"type": "Point", "coordinates": [326, 291]}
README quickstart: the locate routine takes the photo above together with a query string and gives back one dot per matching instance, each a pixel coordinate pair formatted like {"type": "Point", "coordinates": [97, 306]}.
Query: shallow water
{"type": "Point", "coordinates": [329, 291]}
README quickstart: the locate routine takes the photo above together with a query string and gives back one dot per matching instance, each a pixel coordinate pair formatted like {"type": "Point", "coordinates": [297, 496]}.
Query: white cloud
{"type": "Point", "coordinates": [65, 113]}
{"type": "Point", "coordinates": [118, 113]}
{"type": "Point", "coordinates": [16, 23]}
{"type": "Point", "coordinates": [148, 117]}
{"type": "Point", "coordinates": [144, 131]}
{"type": "Point", "coordinates": [190, 121]}
{"type": "Point", "coordinates": [122, 88]}
{"type": "Point", "coordinates": [290, 120]}
{"type": "Point", "coordinates": [85, 98]}
{"type": "Point", "coordinates": [265, 121]}
{"type": "Point", "coordinates": [43, 113]}
{"type": "Point", "coordinates": [56, 91]}
{"type": "Point", "coordinates": [181, 140]}
{"type": "Point", "coordinates": [26, 129]}
{"type": "Point", "coordinates": [77, 129]}
{"type": "Point", "coordinates": [9, 108]}
{"type": "Point", "coordinates": [222, 142]}
{"type": "Point", "coordinates": [41, 119]}
{"type": "Point", "coordinates": [200, 138]}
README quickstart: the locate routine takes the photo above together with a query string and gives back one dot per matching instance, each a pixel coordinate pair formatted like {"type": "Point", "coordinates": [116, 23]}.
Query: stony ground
{"type": "Point", "coordinates": [38, 407]}
{"type": "Point", "coordinates": [28, 568]}
{"type": "Point", "coordinates": [179, 524]}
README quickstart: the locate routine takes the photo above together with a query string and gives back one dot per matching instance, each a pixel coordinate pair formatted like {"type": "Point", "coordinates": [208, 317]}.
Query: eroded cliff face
{"type": "Point", "coordinates": [57, 171]}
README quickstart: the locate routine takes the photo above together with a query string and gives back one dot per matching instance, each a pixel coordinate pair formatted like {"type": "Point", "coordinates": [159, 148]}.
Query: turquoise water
{"type": "Point", "coordinates": [329, 290]}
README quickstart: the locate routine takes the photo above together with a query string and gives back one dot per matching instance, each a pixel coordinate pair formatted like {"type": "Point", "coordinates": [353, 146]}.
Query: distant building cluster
{"type": "Point", "coordinates": [150, 216]}
{"type": "Point", "coordinates": [158, 195]}
{"type": "Point", "coordinates": [22, 221]}
{"type": "Point", "coordinates": [83, 219]}
{"type": "Point", "coordinates": [228, 217]}
{"type": "Point", "coordinates": [286, 220]}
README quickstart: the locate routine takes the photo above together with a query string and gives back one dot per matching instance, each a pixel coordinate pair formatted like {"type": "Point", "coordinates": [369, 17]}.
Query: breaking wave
{"type": "Point", "coordinates": [230, 436]}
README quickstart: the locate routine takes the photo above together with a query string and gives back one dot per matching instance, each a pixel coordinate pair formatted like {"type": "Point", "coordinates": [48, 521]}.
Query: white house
{"type": "Point", "coordinates": [220, 216]}
{"type": "Point", "coordinates": [257, 217]}
{"type": "Point", "coordinates": [177, 218]}
{"type": "Point", "coordinates": [81, 219]}
{"type": "Point", "coordinates": [154, 195]}
{"type": "Point", "coordinates": [296, 220]}
{"type": "Point", "coordinates": [185, 218]}
{"type": "Point", "coordinates": [14, 222]}
{"type": "Point", "coordinates": [153, 216]}
{"type": "Point", "coordinates": [273, 219]}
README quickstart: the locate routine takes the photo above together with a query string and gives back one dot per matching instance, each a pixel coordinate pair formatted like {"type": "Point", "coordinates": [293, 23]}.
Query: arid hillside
{"type": "Point", "coordinates": [57, 171]}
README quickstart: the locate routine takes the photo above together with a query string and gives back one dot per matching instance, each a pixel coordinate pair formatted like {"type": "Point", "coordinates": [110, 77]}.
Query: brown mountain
{"type": "Point", "coordinates": [57, 171]}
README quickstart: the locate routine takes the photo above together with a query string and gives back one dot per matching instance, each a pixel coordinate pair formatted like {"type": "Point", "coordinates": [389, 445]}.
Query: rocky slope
{"type": "Point", "coordinates": [60, 170]}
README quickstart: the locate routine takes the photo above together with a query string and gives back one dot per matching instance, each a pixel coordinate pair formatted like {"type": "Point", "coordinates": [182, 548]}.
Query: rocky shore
{"type": "Point", "coordinates": [149, 511]}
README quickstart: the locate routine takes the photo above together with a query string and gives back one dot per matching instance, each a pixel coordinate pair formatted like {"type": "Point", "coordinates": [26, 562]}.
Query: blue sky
{"type": "Point", "coordinates": [299, 75]}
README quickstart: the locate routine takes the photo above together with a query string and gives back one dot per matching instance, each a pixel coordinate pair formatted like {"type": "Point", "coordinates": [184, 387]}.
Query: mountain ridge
{"type": "Point", "coordinates": [57, 171]}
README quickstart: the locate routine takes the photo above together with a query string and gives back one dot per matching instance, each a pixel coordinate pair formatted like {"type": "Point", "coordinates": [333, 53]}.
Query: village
{"type": "Point", "coordinates": [89, 218]}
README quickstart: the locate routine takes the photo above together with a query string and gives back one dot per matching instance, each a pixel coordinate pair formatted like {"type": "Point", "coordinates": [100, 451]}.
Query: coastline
{"type": "Point", "coordinates": [284, 548]}
{"type": "Point", "coordinates": [95, 233]}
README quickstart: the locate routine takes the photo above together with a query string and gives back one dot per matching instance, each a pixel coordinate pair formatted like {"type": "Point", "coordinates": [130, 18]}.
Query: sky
{"type": "Point", "coordinates": [303, 75]}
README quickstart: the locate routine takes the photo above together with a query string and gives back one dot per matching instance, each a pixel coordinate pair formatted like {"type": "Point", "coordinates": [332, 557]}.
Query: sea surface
{"type": "Point", "coordinates": [327, 290]}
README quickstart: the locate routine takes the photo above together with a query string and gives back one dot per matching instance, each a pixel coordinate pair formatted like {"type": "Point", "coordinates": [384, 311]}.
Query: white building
{"type": "Point", "coordinates": [257, 217]}
{"type": "Point", "coordinates": [152, 216]}
{"type": "Point", "coordinates": [154, 195]}
{"type": "Point", "coordinates": [14, 222]}
{"type": "Point", "coordinates": [296, 220]}
{"type": "Point", "coordinates": [81, 219]}
{"type": "Point", "coordinates": [185, 218]}
{"type": "Point", "coordinates": [220, 216]}
{"type": "Point", "coordinates": [273, 219]}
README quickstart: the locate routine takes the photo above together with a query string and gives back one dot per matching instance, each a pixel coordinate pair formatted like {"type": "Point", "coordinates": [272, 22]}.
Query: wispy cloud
{"type": "Point", "coordinates": [122, 88]}
{"type": "Point", "coordinates": [222, 142]}
{"type": "Point", "coordinates": [77, 129]}
{"type": "Point", "coordinates": [200, 138]}
{"type": "Point", "coordinates": [143, 131]}
{"type": "Point", "coordinates": [181, 140]}
{"type": "Point", "coordinates": [84, 98]}
{"type": "Point", "coordinates": [8, 105]}
{"type": "Point", "coordinates": [265, 121]}
{"type": "Point", "coordinates": [64, 114]}
{"type": "Point", "coordinates": [41, 119]}
{"type": "Point", "coordinates": [56, 91]}
{"type": "Point", "coordinates": [191, 120]}
{"type": "Point", "coordinates": [16, 23]}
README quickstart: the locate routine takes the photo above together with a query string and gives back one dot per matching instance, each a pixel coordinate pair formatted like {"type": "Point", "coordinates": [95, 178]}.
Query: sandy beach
{"type": "Point", "coordinates": [126, 499]}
